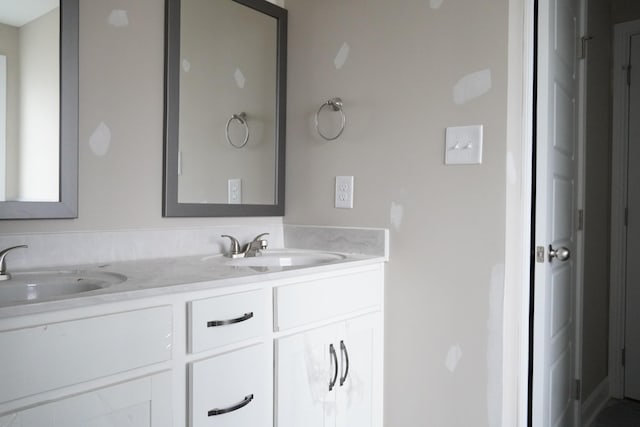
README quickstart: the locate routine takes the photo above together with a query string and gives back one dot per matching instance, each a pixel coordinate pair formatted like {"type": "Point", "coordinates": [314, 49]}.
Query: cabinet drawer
{"type": "Point", "coordinates": [315, 300]}
{"type": "Point", "coordinates": [232, 389]}
{"type": "Point", "coordinates": [47, 357]}
{"type": "Point", "coordinates": [215, 322]}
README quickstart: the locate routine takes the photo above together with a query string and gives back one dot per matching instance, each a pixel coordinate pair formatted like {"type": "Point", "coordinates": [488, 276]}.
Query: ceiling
{"type": "Point", "coordinates": [18, 12]}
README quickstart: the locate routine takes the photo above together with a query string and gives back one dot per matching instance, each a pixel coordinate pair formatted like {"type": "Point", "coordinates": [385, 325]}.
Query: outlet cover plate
{"type": "Point", "coordinates": [235, 191]}
{"type": "Point", "coordinates": [344, 192]}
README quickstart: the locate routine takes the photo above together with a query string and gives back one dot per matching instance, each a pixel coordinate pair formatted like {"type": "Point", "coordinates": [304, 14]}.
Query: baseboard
{"type": "Point", "coordinates": [595, 402]}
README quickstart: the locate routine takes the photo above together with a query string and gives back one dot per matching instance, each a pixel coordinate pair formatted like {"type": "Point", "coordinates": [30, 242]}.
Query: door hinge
{"type": "Point", "coordinates": [582, 54]}
{"type": "Point", "coordinates": [628, 68]}
{"type": "Point", "coordinates": [540, 254]}
{"type": "Point", "coordinates": [624, 357]}
{"type": "Point", "coordinates": [580, 219]}
{"type": "Point", "coordinates": [578, 390]}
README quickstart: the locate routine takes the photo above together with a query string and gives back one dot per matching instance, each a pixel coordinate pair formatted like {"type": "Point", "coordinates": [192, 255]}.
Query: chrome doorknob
{"type": "Point", "coordinates": [561, 254]}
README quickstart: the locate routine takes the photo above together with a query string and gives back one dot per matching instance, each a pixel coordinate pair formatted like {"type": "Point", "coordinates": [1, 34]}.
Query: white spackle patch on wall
{"type": "Point", "coordinates": [239, 77]}
{"type": "Point", "coordinates": [494, 346]}
{"type": "Point", "coordinates": [186, 65]}
{"type": "Point", "coordinates": [435, 4]}
{"type": "Point", "coordinates": [118, 18]}
{"type": "Point", "coordinates": [341, 56]}
{"type": "Point", "coordinates": [100, 140]}
{"type": "Point", "coordinates": [454, 355]}
{"type": "Point", "coordinates": [397, 212]}
{"type": "Point", "coordinates": [472, 86]}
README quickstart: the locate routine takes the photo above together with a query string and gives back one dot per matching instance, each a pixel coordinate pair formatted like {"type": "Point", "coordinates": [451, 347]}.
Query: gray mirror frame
{"type": "Point", "coordinates": [67, 206]}
{"type": "Point", "coordinates": [170, 205]}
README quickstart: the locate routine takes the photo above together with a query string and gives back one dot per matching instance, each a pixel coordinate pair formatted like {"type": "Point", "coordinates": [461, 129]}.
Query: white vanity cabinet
{"type": "Point", "coordinates": [330, 375]}
{"type": "Point", "coordinates": [256, 352]}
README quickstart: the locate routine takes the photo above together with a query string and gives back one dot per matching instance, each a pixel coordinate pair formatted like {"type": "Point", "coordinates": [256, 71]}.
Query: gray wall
{"type": "Point", "coordinates": [413, 68]}
{"type": "Point", "coordinates": [595, 345]}
{"type": "Point", "coordinates": [444, 280]}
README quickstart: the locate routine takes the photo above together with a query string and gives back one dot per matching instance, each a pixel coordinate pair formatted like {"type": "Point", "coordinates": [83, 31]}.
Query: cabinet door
{"type": "Point", "coordinates": [144, 402]}
{"type": "Point", "coordinates": [360, 378]}
{"type": "Point", "coordinates": [306, 365]}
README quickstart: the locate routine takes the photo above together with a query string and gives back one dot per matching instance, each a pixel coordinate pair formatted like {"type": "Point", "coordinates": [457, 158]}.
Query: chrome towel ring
{"type": "Point", "coordinates": [242, 118]}
{"type": "Point", "coordinates": [336, 105]}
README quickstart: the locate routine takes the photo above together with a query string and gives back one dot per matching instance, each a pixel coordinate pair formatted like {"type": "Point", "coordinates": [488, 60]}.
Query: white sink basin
{"type": "Point", "coordinates": [49, 284]}
{"type": "Point", "coordinates": [282, 258]}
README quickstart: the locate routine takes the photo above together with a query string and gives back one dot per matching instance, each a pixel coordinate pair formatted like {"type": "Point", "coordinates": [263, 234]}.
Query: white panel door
{"type": "Point", "coordinates": [554, 285]}
{"type": "Point", "coordinates": [632, 323]}
{"type": "Point", "coordinates": [306, 366]}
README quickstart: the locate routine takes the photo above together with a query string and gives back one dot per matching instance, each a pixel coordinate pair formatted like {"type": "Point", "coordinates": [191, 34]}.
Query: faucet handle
{"type": "Point", "coordinates": [235, 245]}
{"type": "Point", "coordinates": [4, 275]}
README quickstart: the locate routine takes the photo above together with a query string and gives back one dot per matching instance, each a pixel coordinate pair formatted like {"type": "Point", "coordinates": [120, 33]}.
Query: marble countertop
{"type": "Point", "coordinates": [154, 277]}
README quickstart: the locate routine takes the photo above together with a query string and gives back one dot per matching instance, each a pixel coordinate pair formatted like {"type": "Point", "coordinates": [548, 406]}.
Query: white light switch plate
{"type": "Point", "coordinates": [463, 145]}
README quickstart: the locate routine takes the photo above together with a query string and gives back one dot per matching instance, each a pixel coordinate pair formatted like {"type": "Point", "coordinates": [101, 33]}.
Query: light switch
{"type": "Point", "coordinates": [463, 145]}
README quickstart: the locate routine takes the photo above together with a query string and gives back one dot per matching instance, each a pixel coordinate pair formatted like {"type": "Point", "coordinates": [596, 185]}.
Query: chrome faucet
{"type": "Point", "coordinates": [254, 247]}
{"type": "Point", "coordinates": [251, 249]}
{"type": "Point", "coordinates": [4, 274]}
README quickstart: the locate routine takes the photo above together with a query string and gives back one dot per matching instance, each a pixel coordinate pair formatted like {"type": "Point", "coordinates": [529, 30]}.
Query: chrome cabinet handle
{"type": "Point", "coordinates": [332, 353]}
{"type": "Point", "coordinates": [245, 402]}
{"type": "Point", "coordinates": [562, 253]}
{"type": "Point", "coordinates": [343, 350]}
{"type": "Point", "coordinates": [214, 323]}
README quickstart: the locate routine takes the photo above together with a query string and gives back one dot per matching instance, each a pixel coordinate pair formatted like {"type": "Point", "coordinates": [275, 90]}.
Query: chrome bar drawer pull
{"type": "Point", "coordinates": [214, 323]}
{"type": "Point", "coordinates": [334, 356]}
{"type": "Point", "coordinates": [343, 350]}
{"type": "Point", "coordinates": [245, 402]}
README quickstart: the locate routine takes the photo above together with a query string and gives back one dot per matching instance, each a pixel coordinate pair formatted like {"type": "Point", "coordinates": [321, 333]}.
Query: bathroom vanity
{"type": "Point", "coordinates": [199, 341]}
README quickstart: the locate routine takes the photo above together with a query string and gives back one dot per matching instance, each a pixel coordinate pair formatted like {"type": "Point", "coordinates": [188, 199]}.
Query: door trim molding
{"type": "Point", "coordinates": [619, 150]}
{"type": "Point", "coordinates": [515, 347]}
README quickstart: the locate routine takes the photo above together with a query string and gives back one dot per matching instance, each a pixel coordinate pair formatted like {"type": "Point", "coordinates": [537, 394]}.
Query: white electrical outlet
{"type": "Point", "coordinates": [344, 192]}
{"type": "Point", "coordinates": [235, 191]}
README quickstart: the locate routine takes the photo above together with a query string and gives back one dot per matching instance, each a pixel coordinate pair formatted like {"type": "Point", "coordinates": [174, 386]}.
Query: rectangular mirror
{"type": "Point", "coordinates": [225, 99]}
{"type": "Point", "coordinates": [38, 109]}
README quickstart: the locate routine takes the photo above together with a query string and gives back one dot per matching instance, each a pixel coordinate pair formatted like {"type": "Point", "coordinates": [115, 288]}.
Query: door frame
{"type": "Point", "coordinates": [517, 344]}
{"type": "Point", "coordinates": [519, 182]}
{"type": "Point", "coordinates": [619, 170]}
